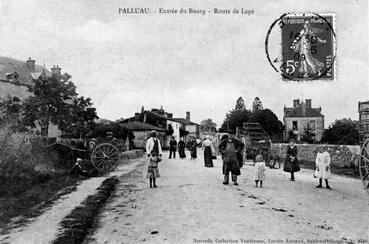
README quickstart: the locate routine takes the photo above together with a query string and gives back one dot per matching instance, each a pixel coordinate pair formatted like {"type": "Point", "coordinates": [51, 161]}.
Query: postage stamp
{"type": "Point", "coordinates": [308, 44]}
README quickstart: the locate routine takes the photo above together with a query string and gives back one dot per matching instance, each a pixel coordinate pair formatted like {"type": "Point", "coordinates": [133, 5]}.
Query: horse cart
{"type": "Point", "coordinates": [101, 153]}
{"type": "Point", "coordinates": [256, 141]}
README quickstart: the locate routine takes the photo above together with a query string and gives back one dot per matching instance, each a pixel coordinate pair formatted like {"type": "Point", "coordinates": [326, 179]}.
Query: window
{"type": "Point", "coordinates": [176, 126]}
{"type": "Point", "coordinates": [294, 125]}
{"type": "Point", "coordinates": [364, 116]}
{"type": "Point", "coordinates": [312, 124]}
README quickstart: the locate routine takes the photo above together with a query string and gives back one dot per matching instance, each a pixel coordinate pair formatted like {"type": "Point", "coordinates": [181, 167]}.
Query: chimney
{"type": "Point", "coordinates": [308, 103]}
{"type": "Point", "coordinates": [56, 70]}
{"type": "Point", "coordinates": [170, 116]}
{"type": "Point", "coordinates": [188, 116]}
{"type": "Point", "coordinates": [137, 116]}
{"type": "Point", "coordinates": [161, 111]}
{"type": "Point", "coordinates": [30, 63]}
{"type": "Point", "coordinates": [296, 103]}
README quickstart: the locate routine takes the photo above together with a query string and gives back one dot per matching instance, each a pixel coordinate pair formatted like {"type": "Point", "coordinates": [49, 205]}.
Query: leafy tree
{"type": "Point", "coordinates": [240, 104]}
{"type": "Point", "coordinates": [257, 105]}
{"type": "Point", "coordinates": [208, 125]}
{"type": "Point", "coordinates": [269, 122]}
{"type": "Point", "coordinates": [10, 111]}
{"type": "Point", "coordinates": [49, 102]}
{"type": "Point", "coordinates": [265, 117]}
{"type": "Point", "coordinates": [308, 136]}
{"type": "Point", "coordinates": [342, 132]}
{"type": "Point", "coordinates": [235, 118]}
{"type": "Point", "coordinates": [81, 118]}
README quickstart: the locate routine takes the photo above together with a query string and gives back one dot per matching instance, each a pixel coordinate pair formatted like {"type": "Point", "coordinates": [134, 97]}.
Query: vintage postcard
{"type": "Point", "coordinates": [168, 121]}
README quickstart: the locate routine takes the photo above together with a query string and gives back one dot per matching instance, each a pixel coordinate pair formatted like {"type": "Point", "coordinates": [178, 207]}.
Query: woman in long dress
{"type": "Point", "coordinates": [291, 164]}
{"type": "Point", "coordinates": [193, 149]}
{"type": "Point", "coordinates": [181, 148]}
{"type": "Point", "coordinates": [323, 169]}
{"type": "Point", "coordinates": [208, 148]}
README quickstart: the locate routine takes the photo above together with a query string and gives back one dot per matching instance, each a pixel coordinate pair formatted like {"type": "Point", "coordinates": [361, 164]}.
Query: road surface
{"type": "Point", "coordinates": [191, 205]}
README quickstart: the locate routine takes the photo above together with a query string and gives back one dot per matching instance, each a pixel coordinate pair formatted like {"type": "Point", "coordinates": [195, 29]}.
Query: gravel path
{"type": "Point", "coordinates": [191, 205]}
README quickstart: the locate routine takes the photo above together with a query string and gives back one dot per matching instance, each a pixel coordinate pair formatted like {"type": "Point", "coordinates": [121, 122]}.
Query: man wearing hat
{"type": "Point", "coordinates": [153, 144]}
{"type": "Point", "coordinates": [229, 147]}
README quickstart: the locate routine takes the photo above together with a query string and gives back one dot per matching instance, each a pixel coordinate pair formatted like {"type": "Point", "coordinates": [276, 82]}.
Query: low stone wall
{"type": "Point", "coordinates": [342, 156]}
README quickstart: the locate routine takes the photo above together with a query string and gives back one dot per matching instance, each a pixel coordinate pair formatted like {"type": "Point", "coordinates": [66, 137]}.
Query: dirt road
{"type": "Point", "coordinates": [191, 205]}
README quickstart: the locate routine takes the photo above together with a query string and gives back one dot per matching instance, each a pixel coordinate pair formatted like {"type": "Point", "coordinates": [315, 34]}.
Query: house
{"type": "Point", "coordinates": [303, 116]}
{"type": "Point", "coordinates": [17, 76]}
{"type": "Point", "coordinates": [363, 124]}
{"type": "Point", "coordinates": [187, 125]}
{"type": "Point", "coordinates": [142, 131]}
{"type": "Point", "coordinates": [177, 127]}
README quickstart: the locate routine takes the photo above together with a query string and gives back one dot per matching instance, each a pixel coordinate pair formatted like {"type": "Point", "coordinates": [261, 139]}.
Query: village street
{"type": "Point", "coordinates": [191, 205]}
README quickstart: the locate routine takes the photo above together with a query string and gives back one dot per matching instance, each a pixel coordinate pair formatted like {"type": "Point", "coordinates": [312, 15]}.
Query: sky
{"type": "Point", "coordinates": [184, 62]}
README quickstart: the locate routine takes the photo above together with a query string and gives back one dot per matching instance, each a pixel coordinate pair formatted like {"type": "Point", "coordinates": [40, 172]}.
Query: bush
{"type": "Point", "coordinates": [23, 163]}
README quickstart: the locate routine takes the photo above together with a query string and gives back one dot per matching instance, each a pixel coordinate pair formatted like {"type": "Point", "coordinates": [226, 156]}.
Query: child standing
{"type": "Point", "coordinates": [259, 170]}
{"type": "Point", "coordinates": [153, 168]}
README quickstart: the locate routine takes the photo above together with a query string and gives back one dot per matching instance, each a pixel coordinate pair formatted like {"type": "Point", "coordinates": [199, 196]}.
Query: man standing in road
{"type": "Point", "coordinates": [153, 144]}
{"type": "Point", "coordinates": [172, 147]}
{"type": "Point", "coordinates": [229, 147]}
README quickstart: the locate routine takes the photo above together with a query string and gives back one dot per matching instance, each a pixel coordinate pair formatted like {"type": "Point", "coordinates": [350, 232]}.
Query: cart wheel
{"type": "Point", "coordinates": [364, 165]}
{"type": "Point", "coordinates": [105, 157]}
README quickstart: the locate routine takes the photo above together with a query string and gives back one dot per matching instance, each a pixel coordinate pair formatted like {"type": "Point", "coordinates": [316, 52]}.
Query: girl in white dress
{"type": "Point", "coordinates": [323, 169]}
{"type": "Point", "coordinates": [259, 170]}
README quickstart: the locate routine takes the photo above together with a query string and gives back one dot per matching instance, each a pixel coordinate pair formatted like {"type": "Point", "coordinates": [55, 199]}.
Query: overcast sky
{"type": "Point", "coordinates": [197, 63]}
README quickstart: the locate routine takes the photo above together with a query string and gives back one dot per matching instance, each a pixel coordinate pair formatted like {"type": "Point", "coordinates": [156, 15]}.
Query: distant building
{"type": "Point", "coordinates": [192, 128]}
{"type": "Point", "coordinates": [302, 116]}
{"type": "Point", "coordinates": [363, 121]}
{"type": "Point", "coordinates": [142, 132]}
{"type": "Point", "coordinates": [165, 121]}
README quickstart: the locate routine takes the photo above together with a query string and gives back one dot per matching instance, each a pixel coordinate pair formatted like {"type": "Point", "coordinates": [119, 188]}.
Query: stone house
{"type": "Point", "coordinates": [17, 76]}
{"type": "Point", "coordinates": [165, 121]}
{"type": "Point", "coordinates": [303, 116]}
{"type": "Point", "coordinates": [142, 131]}
{"type": "Point", "coordinates": [192, 128]}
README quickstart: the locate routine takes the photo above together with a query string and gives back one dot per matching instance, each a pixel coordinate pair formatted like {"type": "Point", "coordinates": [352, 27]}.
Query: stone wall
{"type": "Point", "coordinates": [342, 156]}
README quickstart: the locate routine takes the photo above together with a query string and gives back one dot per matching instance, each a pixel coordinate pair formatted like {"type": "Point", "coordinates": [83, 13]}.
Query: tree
{"type": "Point", "coordinates": [257, 105]}
{"type": "Point", "coordinates": [208, 125]}
{"type": "Point", "coordinates": [291, 135]}
{"type": "Point", "coordinates": [81, 119]}
{"type": "Point", "coordinates": [49, 102]}
{"type": "Point", "coordinates": [10, 111]}
{"type": "Point", "coordinates": [308, 136]}
{"type": "Point", "coordinates": [342, 132]}
{"type": "Point", "coordinates": [235, 118]}
{"type": "Point", "coordinates": [240, 104]}
{"type": "Point", "coordinates": [269, 122]}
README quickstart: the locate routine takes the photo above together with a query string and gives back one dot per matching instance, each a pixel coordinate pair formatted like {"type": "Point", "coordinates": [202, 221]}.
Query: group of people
{"type": "Point", "coordinates": [231, 150]}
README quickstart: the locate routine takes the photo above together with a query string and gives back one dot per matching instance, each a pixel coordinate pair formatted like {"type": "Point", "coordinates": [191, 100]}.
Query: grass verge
{"type": "Point", "coordinates": [76, 224]}
{"type": "Point", "coordinates": [34, 201]}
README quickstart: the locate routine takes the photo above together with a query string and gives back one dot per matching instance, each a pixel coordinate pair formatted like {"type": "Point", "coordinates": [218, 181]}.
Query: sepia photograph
{"type": "Point", "coordinates": [169, 121]}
